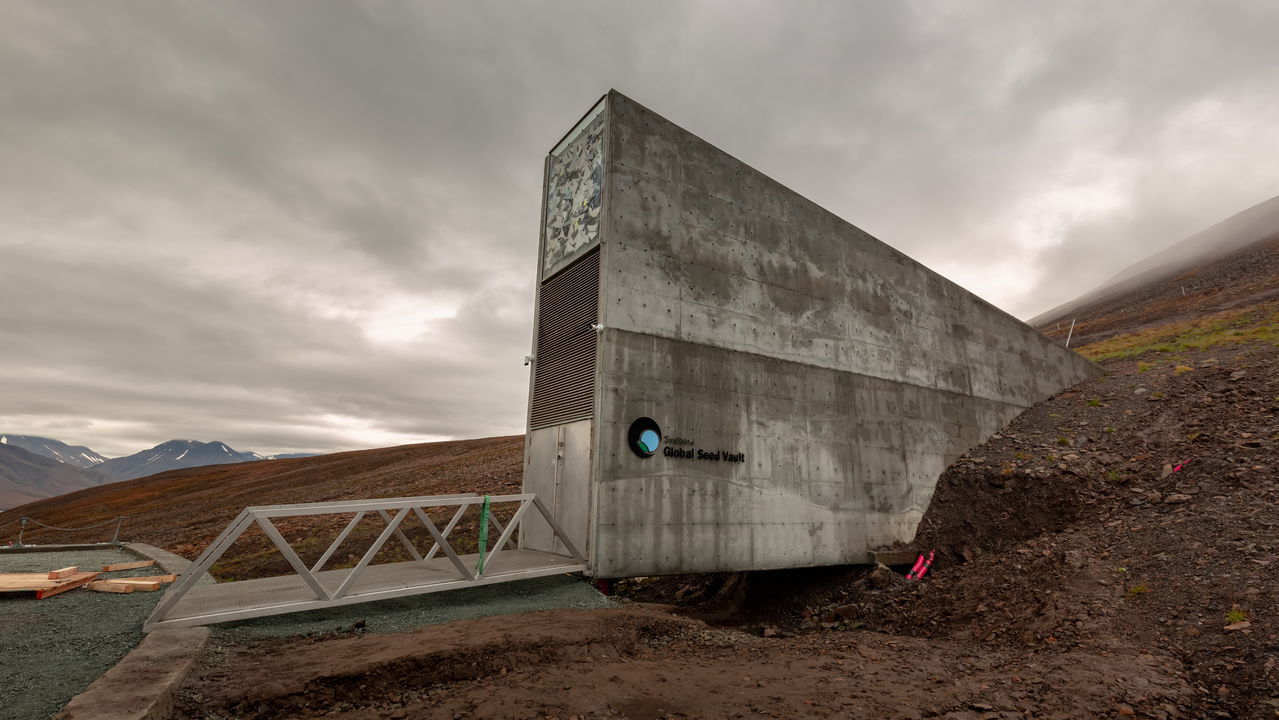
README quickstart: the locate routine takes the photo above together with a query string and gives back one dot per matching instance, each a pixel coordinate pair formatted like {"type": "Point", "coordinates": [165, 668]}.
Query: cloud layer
{"type": "Point", "coordinates": [312, 225]}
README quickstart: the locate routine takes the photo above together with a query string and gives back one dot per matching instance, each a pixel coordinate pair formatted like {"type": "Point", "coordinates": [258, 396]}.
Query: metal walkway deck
{"type": "Point", "coordinates": [187, 604]}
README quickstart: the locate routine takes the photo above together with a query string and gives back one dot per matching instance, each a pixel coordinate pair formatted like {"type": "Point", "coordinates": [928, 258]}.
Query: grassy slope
{"type": "Point", "coordinates": [1241, 281]}
{"type": "Point", "coordinates": [1260, 323]}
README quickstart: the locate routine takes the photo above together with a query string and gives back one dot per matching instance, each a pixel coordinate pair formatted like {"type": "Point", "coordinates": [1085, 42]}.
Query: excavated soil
{"type": "Point", "coordinates": [641, 663]}
{"type": "Point", "coordinates": [1110, 553]}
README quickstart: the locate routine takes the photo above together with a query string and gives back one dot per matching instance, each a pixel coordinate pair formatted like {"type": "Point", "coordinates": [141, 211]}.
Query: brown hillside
{"type": "Point", "coordinates": [1245, 278]}
{"type": "Point", "coordinates": [183, 510]}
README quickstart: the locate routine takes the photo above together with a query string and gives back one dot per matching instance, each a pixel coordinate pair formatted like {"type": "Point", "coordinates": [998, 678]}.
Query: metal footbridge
{"type": "Point", "coordinates": [188, 602]}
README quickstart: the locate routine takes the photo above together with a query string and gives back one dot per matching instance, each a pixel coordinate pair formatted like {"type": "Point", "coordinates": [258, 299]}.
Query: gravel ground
{"type": "Point", "coordinates": [407, 613]}
{"type": "Point", "coordinates": [52, 649]}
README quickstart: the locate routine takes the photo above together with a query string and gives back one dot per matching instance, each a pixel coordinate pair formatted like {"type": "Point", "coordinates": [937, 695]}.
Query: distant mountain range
{"type": "Point", "coordinates": [26, 477]}
{"type": "Point", "coordinates": [174, 455]}
{"type": "Point", "coordinates": [77, 455]}
{"type": "Point", "coordinates": [33, 467]}
{"type": "Point", "coordinates": [181, 510]}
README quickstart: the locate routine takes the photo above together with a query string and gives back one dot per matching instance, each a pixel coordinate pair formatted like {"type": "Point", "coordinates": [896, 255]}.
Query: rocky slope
{"type": "Point", "coordinates": [1244, 278]}
{"type": "Point", "coordinates": [1132, 516]}
{"type": "Point", "coordinates": [1231, 264]}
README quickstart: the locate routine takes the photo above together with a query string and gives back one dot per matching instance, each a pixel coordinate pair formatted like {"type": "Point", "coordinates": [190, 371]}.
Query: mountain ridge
{"type": "Point", "coordinates": [24, 480]}
{"type": "Point", "coordinates": [77, 455]}
{"type": "Point", "coordinates": [186, 508]}
{"type": "Point", "coordinates": [175, 455]}
{"type": "Point", "coordinates": [26, 477]}
{"type": "Point", "coordinates": [1237, 235]}
{"type": "Point", "coordinates": [1232, 267]}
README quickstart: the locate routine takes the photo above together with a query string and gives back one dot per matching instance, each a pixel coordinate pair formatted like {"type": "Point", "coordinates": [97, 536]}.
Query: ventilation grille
{"type": "Point", "coordinates": [564, 371]}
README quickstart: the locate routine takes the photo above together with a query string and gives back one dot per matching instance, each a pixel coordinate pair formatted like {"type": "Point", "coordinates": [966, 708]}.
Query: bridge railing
{"type": "Point", "coordinates": [395, 512]}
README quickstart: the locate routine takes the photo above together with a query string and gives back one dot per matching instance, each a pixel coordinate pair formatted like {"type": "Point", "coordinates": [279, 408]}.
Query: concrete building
{"type": "Point", "coordinates": [725, 376]}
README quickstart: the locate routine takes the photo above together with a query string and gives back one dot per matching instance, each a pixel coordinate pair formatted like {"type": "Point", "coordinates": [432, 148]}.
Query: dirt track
{"type": "Point", "coordinates": [1078, 576]}
{"type": "Point", "coordinates": [642, 663]}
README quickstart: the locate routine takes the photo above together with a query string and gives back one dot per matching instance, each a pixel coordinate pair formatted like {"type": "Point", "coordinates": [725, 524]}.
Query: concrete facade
{"type": "Point", "coordinates": [820, 380]}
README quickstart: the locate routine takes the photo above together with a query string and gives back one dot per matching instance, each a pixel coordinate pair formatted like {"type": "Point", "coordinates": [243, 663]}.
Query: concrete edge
{"type": "Point", "coordinates": [143, 685]}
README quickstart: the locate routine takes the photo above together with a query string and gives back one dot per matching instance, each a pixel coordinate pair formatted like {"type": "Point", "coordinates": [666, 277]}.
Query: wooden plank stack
{"type": "Point", "coordinates": [45, 584]}
{"type": "Point", "coordinates": [57, 581]}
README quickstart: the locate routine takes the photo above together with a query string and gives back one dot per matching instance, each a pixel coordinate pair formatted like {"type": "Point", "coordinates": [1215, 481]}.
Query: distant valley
{"type": "Point", "coordinates": [33, 467]}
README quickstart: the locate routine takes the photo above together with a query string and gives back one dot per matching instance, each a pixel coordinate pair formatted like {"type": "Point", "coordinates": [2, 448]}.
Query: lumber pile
{"type": "Point", "coordinates": [149, 583]}
{"type": "Point", "coordinates": [128, 565]}
{"type": "Point", "coordinates": [47, 584]}
{"type": "Point", "coordinates": [130, 584]}
{"type": "Point", "coordinates": [110, 587]}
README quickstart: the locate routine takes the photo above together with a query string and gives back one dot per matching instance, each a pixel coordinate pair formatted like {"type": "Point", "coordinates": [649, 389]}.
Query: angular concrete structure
{"type": "Point", "coordinates": [728, 377]}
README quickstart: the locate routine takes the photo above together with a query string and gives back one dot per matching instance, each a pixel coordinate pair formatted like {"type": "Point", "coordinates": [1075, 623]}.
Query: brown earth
{"type": "Point", "coordinates": [641, 663]}
{"type": "Point", "coordinates": [1078, 575]}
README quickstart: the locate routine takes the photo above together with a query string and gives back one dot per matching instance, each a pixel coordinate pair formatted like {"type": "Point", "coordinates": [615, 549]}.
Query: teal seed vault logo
{"type": "Point", "coordinates": [645, 437]}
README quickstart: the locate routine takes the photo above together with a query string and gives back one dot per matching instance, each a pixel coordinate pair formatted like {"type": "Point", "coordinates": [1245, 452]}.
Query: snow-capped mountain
{"type": "Point", "coordinates": [77, 455]}
{"type": "Point", "coordinates": [174, 455]}
{"type": "Point", "coordinates": [26, 476]}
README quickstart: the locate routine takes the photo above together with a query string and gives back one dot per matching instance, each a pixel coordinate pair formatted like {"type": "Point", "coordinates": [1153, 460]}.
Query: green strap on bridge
{"type": "Point", "coordinates": [484, 534]}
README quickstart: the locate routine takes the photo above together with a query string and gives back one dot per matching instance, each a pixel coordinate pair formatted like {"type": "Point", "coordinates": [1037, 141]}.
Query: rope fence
{"type": "Point", "coordinates": [22, 528]}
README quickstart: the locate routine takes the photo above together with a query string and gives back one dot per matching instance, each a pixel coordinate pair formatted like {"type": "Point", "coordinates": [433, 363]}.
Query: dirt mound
{"type": "Point", "coordinates": [1131, 514]}
{"type": "Point", "coordinates": [1135, 512]}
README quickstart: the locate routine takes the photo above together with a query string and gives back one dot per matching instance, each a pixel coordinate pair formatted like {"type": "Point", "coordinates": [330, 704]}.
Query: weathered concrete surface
{"type": "Point", "coordinates": [836, 463]}
{"type": "Point", "coordinates": [142, 685]}
{"type": "Point", "coordinates": [839, 375]}
{"type": "Point", "coordinates": [701, 247]}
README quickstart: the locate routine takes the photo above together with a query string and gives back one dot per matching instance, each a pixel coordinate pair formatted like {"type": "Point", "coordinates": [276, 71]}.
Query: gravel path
{"type": "Point", "coordinates": [52, 649]}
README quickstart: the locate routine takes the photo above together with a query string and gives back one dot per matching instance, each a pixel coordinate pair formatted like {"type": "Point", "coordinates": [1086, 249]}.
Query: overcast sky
{"type": "Point", "coordinates": [309, 225]}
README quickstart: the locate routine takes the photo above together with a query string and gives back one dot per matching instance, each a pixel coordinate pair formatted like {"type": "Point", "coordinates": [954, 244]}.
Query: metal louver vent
{"type": "Point", "coordinates": [564, 370]}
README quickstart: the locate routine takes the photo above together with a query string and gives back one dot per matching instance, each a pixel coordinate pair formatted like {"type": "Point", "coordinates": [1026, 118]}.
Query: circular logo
{"type": "Point", "coordinates": [645, 437]}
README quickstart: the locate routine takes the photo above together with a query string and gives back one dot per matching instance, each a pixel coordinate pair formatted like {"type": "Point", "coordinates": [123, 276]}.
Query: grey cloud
{"type": "Point", "coordinates": [256, 222]}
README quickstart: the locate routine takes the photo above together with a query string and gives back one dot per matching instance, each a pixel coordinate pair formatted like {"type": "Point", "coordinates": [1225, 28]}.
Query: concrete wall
{"type": "Point", "coordinates": [746, 319]}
